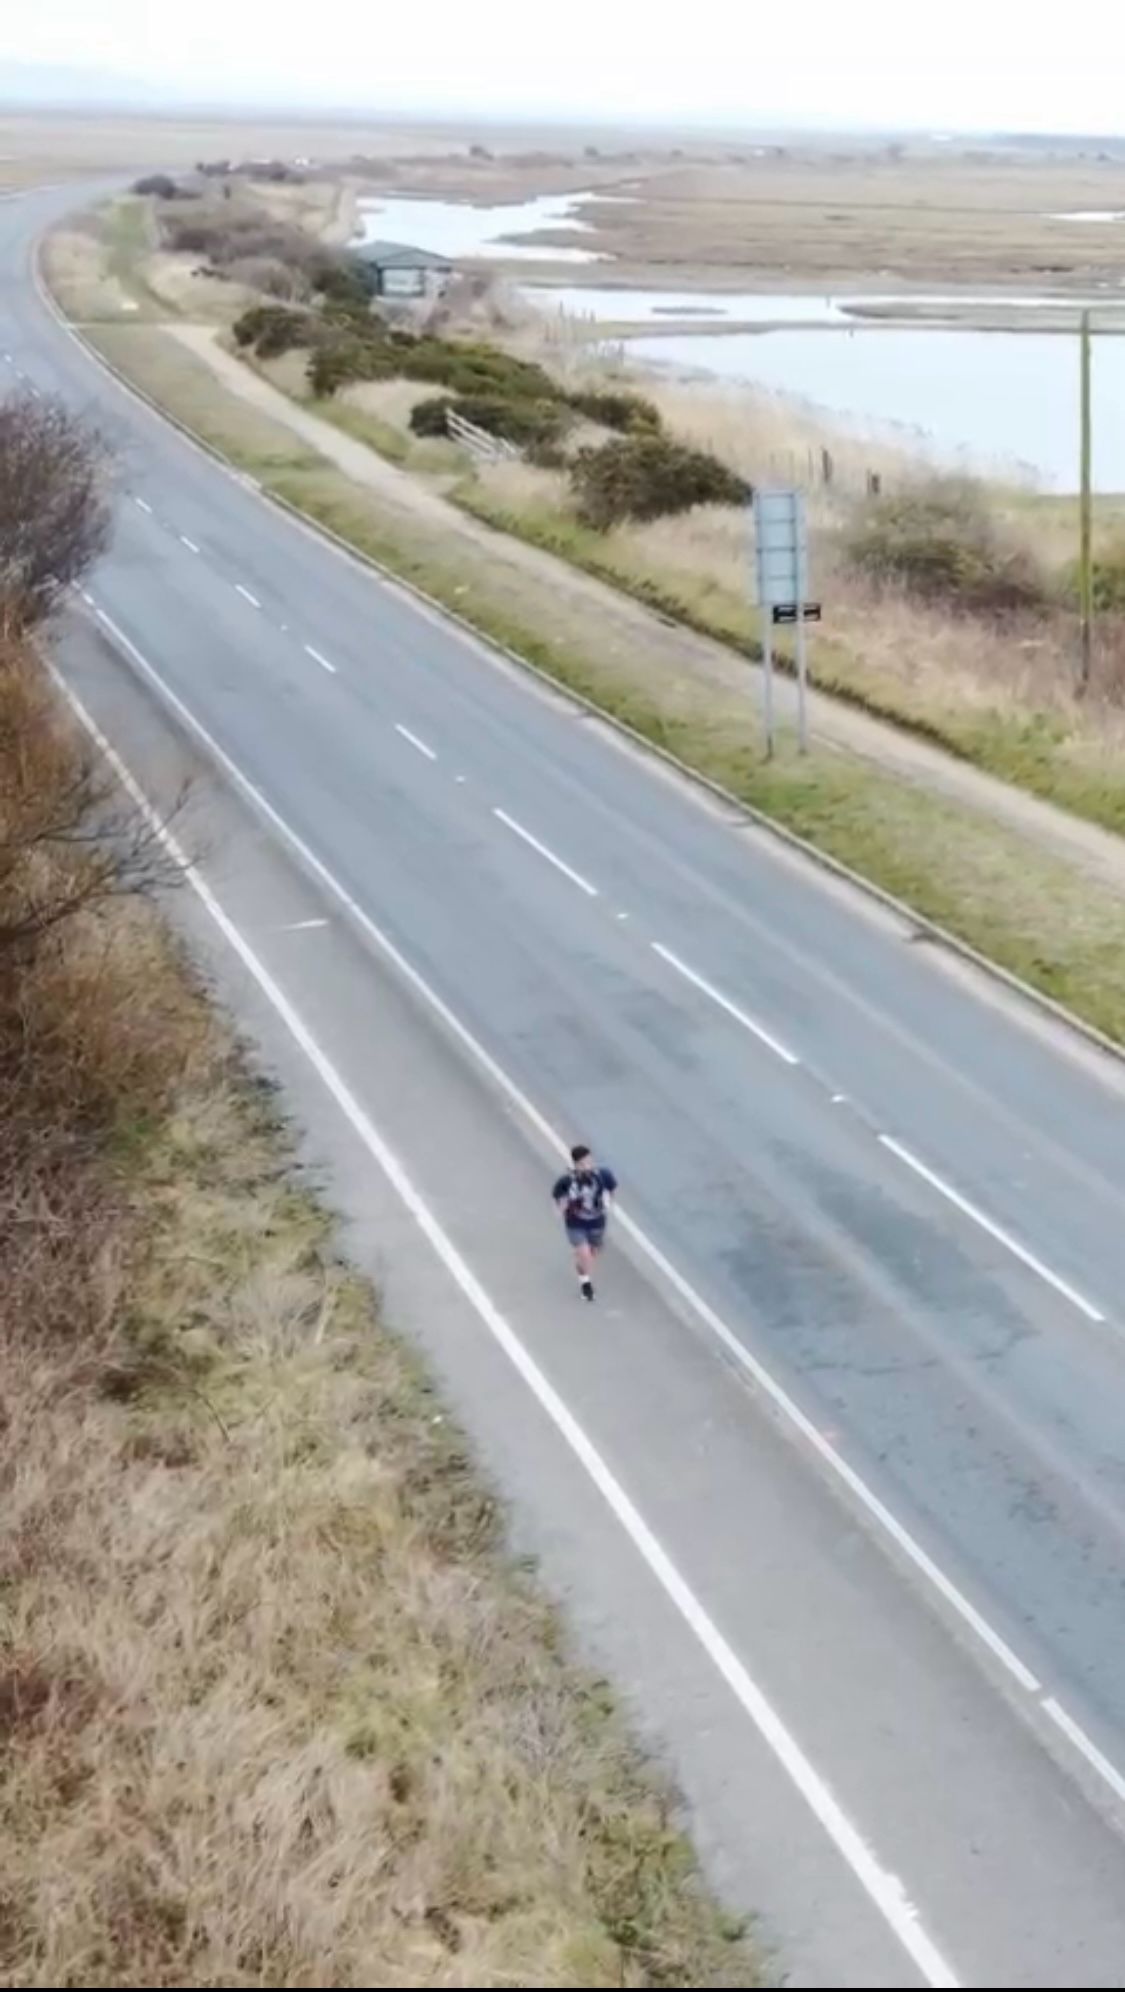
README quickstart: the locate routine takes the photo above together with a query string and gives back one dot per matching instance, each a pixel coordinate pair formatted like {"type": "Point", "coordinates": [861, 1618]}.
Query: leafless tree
{"type": "Point", "coordinates": [69, 838]}
{"type": "Point", "coordinates": [54, 505]}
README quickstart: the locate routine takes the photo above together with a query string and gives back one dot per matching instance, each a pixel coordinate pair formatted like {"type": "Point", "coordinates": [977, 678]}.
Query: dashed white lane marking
{"type": "Point", "coordinates": [459, 778]}
{"type": "Point", "coordinates": [303, 926]}
{"type": "Point", "coordinates": [318, 658]}
{"type": "Point", "coordinates": [88, 599]}
{"type": "Point", "coordinates": [883, 1888]}
{"type": "Point", "coordinates": [757, 1030]}
{"type": "Point", "coordinates": [738, 1351]}
{"type": "Point", "coordinates": [190, 544]}
{"type": "Point", "coordinates": [996, 1231]}
{"type": "Point", "coordinates": [419, 746]}
{"type": "Point", "coordinates": [567, 871]}
{"type": "Point", "coordinates": [247, 596]}
{"type": "Point", "coordinates": [143, 504]}
{"type": "Point", "coordinates": [1082, 1743]}
{"type": "Point", "coordinates": [37, 393]}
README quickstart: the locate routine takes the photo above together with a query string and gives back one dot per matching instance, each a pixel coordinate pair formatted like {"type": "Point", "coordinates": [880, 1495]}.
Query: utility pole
{"type": "Point", "coordinates": [1085, 561]}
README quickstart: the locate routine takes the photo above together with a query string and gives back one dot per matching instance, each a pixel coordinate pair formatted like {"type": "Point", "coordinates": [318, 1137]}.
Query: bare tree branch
{"type": "Point", "coordinates": [55, 514]}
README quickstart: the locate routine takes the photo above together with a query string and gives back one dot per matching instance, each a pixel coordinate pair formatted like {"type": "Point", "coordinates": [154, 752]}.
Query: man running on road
{"type": "Point", "coordinates": [582, 1195]}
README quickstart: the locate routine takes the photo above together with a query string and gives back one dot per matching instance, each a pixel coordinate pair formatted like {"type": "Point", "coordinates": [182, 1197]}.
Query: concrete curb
{"type": "Point", "coordinates": [919, 925]}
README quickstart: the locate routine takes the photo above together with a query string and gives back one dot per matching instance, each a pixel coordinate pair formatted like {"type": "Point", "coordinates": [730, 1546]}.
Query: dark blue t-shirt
{"type": "Point", "coordinates": [585, 1193]}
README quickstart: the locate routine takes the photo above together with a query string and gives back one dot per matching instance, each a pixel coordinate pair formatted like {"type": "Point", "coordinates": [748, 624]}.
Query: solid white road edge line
{"type": "Point", "coordinates": [740, 1017]}
{"type": "Point", "coordinates": [247, 596]}
{"type": "Point", "coordinates": [190, 544]}
{"type": "Point", "coordinates": [575, 878]}
{"type": "Point", "coordinates": [885, 1890]}
{"type": "Point", "coordinates": [419, 745]}
{"type": "Point", "coordinates": [997, 1231]}
{"type": "Point", "coordinates": [1082, 1743]}
{"type": "Point", "coordinates": [735, 1348]}
{"type": "Point", "coordinates": [143, 504]}
{"type": "Point", "coordinates": [318, 658]}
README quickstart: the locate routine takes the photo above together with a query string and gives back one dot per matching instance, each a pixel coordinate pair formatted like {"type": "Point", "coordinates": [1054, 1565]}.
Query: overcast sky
{"type": "Point", "coordinates": [967, 64]}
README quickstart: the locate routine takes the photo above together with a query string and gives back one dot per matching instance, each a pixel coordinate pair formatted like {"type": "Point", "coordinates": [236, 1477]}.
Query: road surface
{"type": "Point", "coordinates": [834, 1477]}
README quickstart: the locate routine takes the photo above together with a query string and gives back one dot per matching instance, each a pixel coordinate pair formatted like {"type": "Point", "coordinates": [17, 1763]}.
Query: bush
{"type": "Point", "coordinates": [342, 358]}
{"type": "Point", "coordinates": [528, 424]}
{"type": "Point", "coordinates": [428, 418]}
{"type": "Point", "coordinates": [649, 477]}
{"type": "Point", "coordinates": [939, 541]}
{"type": "Point", "coordinates": [272, 329]}
{"type": "Point", "coordinates": [160, 184]}
{"type": "Point", "coordinates": [230, 235]}
{"type": "Point", "coordinates": [1108, 580]}
{"type": "Point", "coordinates": [469, 367]}
{"type": "Point", "coordinates": [267, 274]}
{"type": "Point", "coordinates": [54, 505]}
{"type": "Point", "coordinates": [345, 281]}
{"type": "Point", "coordinates": [617, 408]}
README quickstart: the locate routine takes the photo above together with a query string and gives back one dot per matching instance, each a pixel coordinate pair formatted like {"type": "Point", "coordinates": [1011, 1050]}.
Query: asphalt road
{"type": "Point", "coordinates": [866, 1392]}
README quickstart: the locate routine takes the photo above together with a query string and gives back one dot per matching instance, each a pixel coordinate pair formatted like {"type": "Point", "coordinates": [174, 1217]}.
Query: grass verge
{"type": "Point", "coordinates": [275, 1706]}
{"type": "Point", "coordinates": [1056, 927]}
{"type": "Point", "coordinates": [997, 695]}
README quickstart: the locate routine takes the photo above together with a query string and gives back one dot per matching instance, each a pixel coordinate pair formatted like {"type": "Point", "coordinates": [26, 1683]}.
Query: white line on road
{"type": "Point", "coordinates": [575, 878]}
{"type": "Point", "coordinates": [884, 1889]}
{"type": "Point", "coordinates": [319, 659]}
{"type": "Point", "coordinates": [190, 544]}
{"type": "Point", "coordinates": [996, 1231]}
{"type": "Point", "coordinates": [37, 393]}
{"type": "Point", "coordinates": [143, 503]}
{"type": "Point", "coordinates": [247, 596]}
{"type": "Point", "coordinates": [303, 926]}
{"type": "Point", "coordinates": [1094, 1757]}
{"type": "Point", "coordinates": [740, 1017]}
{"type": "Point", "coordinates": [419, 745]}
{"type": "Point", "coordinates": [733, 1345]}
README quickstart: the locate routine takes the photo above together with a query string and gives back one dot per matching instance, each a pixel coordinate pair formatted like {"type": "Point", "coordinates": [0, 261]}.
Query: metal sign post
{"type": "Point", "coordinates": [781, 550]}
{"type": "Point", "coordinates": [801, 656]}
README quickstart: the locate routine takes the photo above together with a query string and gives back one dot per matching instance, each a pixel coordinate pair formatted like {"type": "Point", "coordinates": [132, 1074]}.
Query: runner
{"type": "Point", "coordinates": [583, 1195]}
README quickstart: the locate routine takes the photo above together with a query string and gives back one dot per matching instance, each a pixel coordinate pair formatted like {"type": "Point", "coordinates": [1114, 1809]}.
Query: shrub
{"type": "Point", "coordinates": [427, 418]}
{"type": "Point", "coordinates": [54, 505]}
{"type": "Point", "coordinates": [344, 280]}
{"type": "Point", "coordinates": [938, 540]}
{"type": "Point", "coordinates": [649, 477]}
{"type": "Point", "coordinates": [469, 367]}
{"type": "Point", "coordinates": [1108, 580]}
{"type": "Point", "coordinates": [272, 329]}
{"type": "Point", "coordinates": [267, 274]}
{"type": "Point", "coordinates": [523, 422]}
{"type": "Point", "coordinates": [617, 408]}
{"type": "Point", "coordinates": [345, 357]}
{"type": "Point", "coordinates": [230, 235]}
{"type": "Point", "coordinates": [160, 184]}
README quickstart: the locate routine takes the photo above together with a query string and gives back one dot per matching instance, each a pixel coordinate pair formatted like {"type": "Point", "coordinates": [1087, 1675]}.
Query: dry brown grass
{"type": "Point", "coordinates": [180, 285]}
{"type": "Point", "coordinates": [274, 1709]}
{"type": "Point", "coordinates": [75, 267]}
{"type": "Point", "coordinates": [391, 401]}
{"type": "Point", "coordinates": [773, 223]}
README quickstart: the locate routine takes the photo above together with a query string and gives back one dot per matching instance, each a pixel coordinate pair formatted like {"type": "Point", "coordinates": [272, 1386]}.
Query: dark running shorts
{"type": "Point", "coordinates": [587, 1234]}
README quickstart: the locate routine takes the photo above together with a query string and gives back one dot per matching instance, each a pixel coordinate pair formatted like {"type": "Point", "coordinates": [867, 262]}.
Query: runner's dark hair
{"type": "Point", "coordinates": [579, 1152]}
